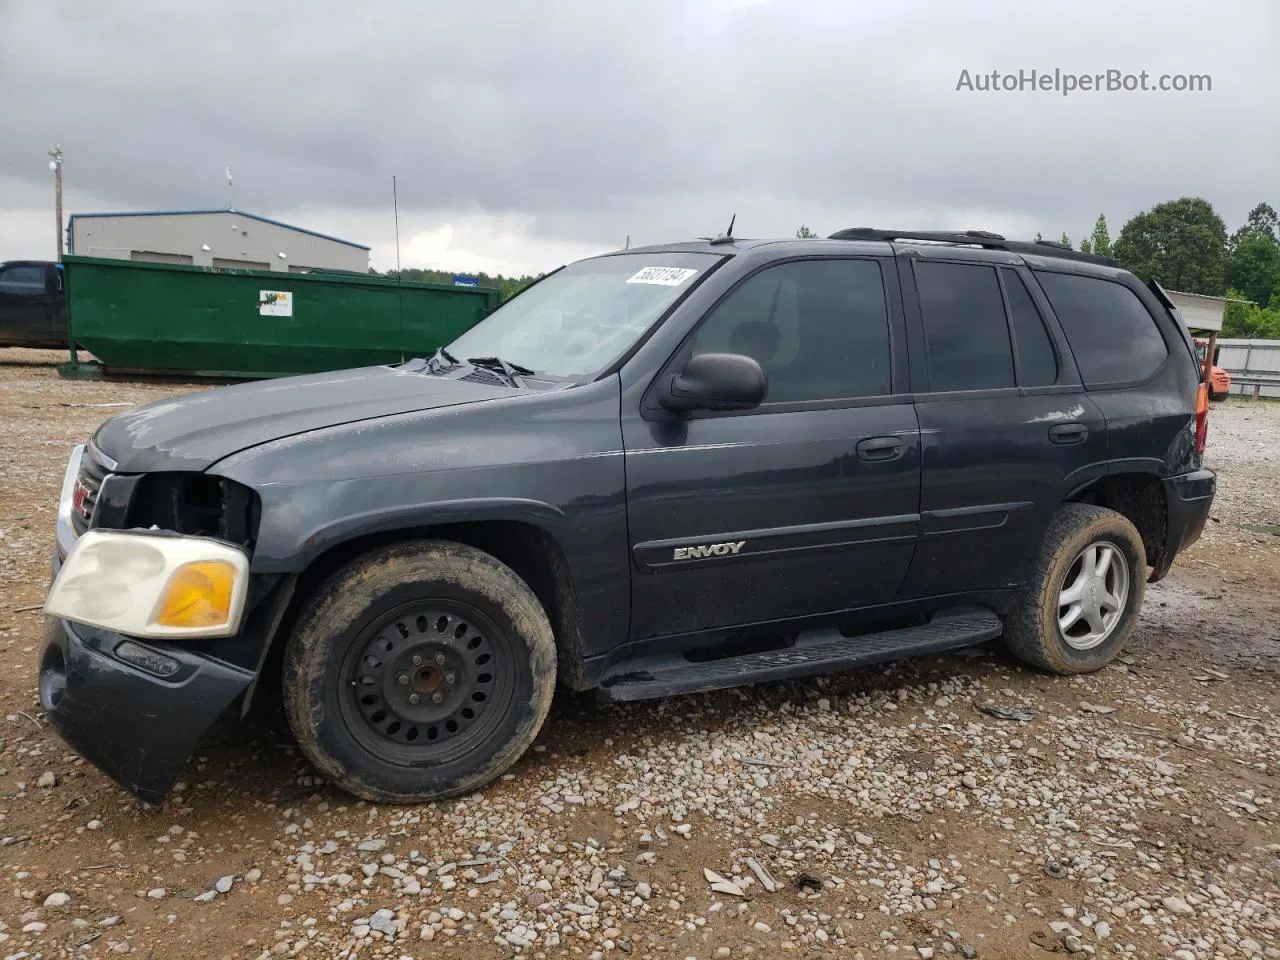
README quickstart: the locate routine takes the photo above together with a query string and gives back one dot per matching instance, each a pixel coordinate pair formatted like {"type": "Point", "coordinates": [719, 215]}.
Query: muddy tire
{"type": "Point", "coordinates": [1076, 612]}
{"type": "Point", "coordinates": [419, 671]}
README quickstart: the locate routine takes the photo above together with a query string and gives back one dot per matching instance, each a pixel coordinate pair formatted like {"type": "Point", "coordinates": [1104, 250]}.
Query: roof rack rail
{"type": "Point", "coordinates": [979, 238]}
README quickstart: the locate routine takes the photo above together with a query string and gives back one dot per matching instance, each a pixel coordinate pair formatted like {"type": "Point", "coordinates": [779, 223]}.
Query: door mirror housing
{"type": "Point", "coordinates": [716, 381]}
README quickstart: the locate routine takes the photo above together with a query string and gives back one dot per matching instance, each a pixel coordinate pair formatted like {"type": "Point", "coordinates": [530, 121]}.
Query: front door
{"type": "Point", "coordinates": [808, 504]}
{"type": "Point", "coordinates": [1006, 427]}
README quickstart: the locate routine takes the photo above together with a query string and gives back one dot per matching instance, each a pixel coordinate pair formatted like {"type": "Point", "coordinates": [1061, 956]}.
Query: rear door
{"type": "Point", "coordinates": [1006, 427]}
{"type": "Point", "coordinates": [26, 303]}
{"type": "Point", "coordinates": [804, 506]}
{"type": "Point", "coordinates": [1130, 355]}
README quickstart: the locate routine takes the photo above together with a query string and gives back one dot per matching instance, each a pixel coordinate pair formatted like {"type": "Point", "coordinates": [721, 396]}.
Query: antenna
{"type": "Point", "coordinates": [726, 237]}
{"type": "Point", "coordinates": [230, 196]}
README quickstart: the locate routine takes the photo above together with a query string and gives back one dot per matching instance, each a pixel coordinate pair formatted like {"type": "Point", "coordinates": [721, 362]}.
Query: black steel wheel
{"type": "Point", "coordinates": [422, 679]}
{"type": "Point", "coordinates": [419, 671]}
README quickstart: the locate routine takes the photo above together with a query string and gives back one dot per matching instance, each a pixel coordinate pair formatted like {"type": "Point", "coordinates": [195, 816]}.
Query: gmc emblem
{"type": "Point", "coordinates": [708, 550]}
{"type": "Point", "coordinates": [78, 497]}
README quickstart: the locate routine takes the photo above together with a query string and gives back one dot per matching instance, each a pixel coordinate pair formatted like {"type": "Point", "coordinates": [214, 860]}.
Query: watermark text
{"type": "Point", "coordinates": [1064, 83]}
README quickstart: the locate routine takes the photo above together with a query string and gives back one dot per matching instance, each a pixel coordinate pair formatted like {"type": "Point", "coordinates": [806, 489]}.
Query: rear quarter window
{"type": "Point", "coordinates": [1113, 336]}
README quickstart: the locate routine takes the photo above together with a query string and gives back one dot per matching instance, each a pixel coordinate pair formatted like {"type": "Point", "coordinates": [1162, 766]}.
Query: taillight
{"type": "Point", "coordinates": [1202, 417]}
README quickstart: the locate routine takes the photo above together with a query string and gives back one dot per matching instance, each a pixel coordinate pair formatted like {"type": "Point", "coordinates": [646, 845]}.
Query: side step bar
{"type": "Point", "coordinates": [814, 652]}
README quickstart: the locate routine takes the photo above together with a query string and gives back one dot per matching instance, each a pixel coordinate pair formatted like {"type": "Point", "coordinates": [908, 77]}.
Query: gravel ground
{"type": "Point", "coordinates": [875, 813]}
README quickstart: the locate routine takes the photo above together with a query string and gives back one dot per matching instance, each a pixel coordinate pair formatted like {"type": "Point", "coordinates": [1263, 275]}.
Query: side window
{"type": "Point", "coordinates": [22, 278]}
{"type": "Point", "coordinates": [965, 328]}
{"type": "Point", "coordinates": [1037, 364]}
{"type": "Point", "coordinates": [1111, 333]}
{"type": "Point", "coordinates": [820, 329]}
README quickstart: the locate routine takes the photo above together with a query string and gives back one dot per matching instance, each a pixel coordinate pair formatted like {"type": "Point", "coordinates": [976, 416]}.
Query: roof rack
{"type": "Point", "coordinates": [978, 238]}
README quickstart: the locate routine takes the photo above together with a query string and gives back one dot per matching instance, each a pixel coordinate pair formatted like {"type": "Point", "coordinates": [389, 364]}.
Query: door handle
{"type": "Point", "coordinates": [1068, 433]}
{"type": "Point", "coordinates": [880, 448]}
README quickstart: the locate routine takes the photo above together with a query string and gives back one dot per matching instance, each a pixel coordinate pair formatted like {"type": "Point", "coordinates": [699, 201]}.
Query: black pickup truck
{"type": "Point", "coordinates": [657, 471]}
{"type": "Point", "coordinates": [33, 309]}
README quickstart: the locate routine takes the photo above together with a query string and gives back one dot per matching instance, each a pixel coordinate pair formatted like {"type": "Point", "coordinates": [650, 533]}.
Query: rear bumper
{"type": "Point", "coordinates": [1188, 499]}
{"type": "Point", "coordinates": [137, 727]}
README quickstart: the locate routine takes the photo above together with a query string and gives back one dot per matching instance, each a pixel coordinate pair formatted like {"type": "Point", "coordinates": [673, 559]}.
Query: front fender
{"type": "Point", "coordinates": [300, 547]}
{"type": "Point", "coordinates": [551, 461]}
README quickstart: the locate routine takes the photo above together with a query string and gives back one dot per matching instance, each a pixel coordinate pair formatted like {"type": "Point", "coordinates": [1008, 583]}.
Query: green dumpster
{"type": "Point", "coordinates": [198, 321]}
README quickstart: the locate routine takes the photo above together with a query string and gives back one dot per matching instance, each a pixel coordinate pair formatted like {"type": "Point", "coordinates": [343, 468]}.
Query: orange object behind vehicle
{"type": "Point", "coordinates": [1219, 380]}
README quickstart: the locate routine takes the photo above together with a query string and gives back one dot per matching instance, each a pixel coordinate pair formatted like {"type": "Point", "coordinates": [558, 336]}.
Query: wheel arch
{"type": "Point", "coordinates": [1140, 497]}
{"type": "Point", "coordinates": [529, 549]}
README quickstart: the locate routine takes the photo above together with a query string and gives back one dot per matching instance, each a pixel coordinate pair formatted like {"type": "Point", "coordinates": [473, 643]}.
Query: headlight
{"type": "Point", "coordinates": [160, 587]}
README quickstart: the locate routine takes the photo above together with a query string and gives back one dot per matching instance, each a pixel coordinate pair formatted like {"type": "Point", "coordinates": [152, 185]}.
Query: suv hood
{"type": "Point", "coordinates": [194, 431]}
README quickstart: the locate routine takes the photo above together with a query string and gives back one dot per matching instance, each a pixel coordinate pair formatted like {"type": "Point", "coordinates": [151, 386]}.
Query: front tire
{"type": "Point", "coordinates": [1076, 612]}
{"type": "Point", "coordinates": [419, 671]}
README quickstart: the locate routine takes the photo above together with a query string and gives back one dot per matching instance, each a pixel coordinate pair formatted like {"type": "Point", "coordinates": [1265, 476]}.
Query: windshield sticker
{"type": "Point", "coordinates": [663, 276]}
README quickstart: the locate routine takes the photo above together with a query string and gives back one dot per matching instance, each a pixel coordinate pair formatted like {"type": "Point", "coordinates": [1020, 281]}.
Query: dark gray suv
{"type": "Point", "coordinates": [657, 471]}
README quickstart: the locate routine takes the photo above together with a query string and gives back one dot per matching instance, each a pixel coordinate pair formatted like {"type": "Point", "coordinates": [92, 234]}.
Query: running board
{"type": "Point", "coordinates": [814, 652]}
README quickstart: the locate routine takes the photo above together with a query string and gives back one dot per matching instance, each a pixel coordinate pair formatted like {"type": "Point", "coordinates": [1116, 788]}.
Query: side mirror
{"type": "Point", "coordinates": [716, 381]}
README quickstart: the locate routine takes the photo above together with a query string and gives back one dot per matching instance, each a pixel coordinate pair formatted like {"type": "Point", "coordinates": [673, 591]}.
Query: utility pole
{"type": "Point", "coordinates": [55, 164]}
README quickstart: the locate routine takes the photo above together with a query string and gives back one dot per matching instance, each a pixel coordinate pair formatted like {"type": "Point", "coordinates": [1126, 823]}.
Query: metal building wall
{"type": "Point", "coordinates": [230, 236]}
{"type": "Point", "coordinates": [1244, 357]}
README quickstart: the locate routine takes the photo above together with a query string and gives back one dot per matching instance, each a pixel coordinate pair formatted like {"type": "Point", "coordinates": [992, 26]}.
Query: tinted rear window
{"type": "Point", "coordinates": [965, 327]}
{"type": "Point", "coordinates": [1112, 335]}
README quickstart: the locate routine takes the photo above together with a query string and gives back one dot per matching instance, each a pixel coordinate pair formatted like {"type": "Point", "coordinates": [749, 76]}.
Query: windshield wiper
{"type": "Point", "coordinates": [441, 359]}
{"type": "Point", "coordinates": [513, 370]}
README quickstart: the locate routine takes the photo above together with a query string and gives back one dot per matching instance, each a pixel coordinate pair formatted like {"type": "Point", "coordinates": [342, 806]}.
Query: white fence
{"type": "Point", "coordinates": [1242, 358]}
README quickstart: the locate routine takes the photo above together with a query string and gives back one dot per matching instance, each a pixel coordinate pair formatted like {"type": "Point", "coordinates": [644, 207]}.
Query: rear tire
{"type": "Point", "coordinates": [1076, 612]}
{"type": "Point", "coordinates": [419, 671]}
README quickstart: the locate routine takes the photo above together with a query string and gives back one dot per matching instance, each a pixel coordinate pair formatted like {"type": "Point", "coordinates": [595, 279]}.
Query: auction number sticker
{"type": "Point", "coordinates": [663, 276]}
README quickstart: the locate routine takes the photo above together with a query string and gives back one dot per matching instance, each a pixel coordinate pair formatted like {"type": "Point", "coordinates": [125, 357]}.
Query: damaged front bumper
{"type": "Point", "coordinates": [135, 725]}
{"type": "Point", "coordinates": [136, 708]}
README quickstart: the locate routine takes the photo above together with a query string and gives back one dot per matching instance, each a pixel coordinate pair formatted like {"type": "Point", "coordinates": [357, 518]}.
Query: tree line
{"type": "Point", "coordinates": [1184, 245]}
{"type": "Point", "coordinates": [506, 286]}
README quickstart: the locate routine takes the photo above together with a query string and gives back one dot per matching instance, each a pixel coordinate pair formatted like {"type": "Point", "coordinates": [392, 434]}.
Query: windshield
{"type": "Point", "coordinates": [580, 319]}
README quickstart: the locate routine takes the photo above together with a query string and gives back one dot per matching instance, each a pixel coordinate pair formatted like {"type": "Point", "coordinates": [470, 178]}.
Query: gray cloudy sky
{"type": "Point", "coordinates": [523, 133]}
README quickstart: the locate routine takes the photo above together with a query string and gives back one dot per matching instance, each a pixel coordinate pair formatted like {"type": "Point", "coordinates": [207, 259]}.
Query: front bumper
{"type": "Point", "coordinates": [139, 719]}
{"type": "Point", "coordinates": [1188, 499]}
{"type": "Point", "coordinates": [137, 728]}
